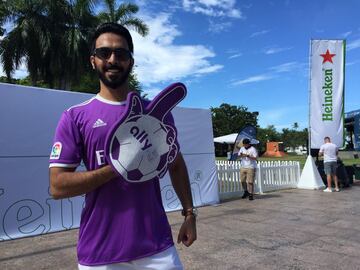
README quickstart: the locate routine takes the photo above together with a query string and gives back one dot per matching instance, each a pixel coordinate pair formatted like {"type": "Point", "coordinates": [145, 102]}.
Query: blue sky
{"type": "Point", "coordinates": [249, 53]}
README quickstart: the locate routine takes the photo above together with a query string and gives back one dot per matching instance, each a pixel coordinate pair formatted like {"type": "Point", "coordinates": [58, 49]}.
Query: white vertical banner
{"type": "Point", "coordinates": [327, 70]}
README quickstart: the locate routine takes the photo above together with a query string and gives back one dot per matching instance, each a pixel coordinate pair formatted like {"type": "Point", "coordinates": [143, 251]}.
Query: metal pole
{"type": "Point", "coordinates": [309, 129]}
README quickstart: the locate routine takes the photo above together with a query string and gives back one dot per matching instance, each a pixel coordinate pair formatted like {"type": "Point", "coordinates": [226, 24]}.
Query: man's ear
{"type": "Point", "coordinates": [92, 61]}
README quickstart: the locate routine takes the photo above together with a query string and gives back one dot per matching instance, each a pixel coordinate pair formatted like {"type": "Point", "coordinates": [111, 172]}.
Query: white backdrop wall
{"type": "Point", "coordinates": [28, 118]}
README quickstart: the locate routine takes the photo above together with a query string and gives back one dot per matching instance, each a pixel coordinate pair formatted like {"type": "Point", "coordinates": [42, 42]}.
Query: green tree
{"type": "Point", "coordinates": [268, 134]}
{"type": "Point", "coordinates": [50, 37]}
{"type": "Point", "coordinates": [123, 15]}
{"type": "Point", "coordinates": [294, 138]}
{"type": "Point", "coordinates": [89, 83]}
{"type": "Point", "coordinates": [53, 38]}
{"type": "Point", "coordinates": [3, 16]}
{"type": "Point", "coordinates": [228, 119]}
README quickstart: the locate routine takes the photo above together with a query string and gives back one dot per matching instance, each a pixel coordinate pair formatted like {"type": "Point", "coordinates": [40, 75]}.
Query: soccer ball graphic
{"type": "Point", "coordinates": [142, 154]}
{"type": "Point", "coordinates": [141, 146]}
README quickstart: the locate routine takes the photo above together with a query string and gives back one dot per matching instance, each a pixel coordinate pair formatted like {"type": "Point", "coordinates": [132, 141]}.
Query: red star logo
{"type": "Point", "coordinates": [327, 56]}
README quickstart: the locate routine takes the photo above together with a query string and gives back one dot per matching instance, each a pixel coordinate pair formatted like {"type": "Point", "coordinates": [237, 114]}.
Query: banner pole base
{"type": "Point", "coordinates": [310, 177]}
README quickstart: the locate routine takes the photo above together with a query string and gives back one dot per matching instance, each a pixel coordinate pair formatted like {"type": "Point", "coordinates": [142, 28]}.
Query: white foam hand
{"type": "Point", "coordinates": [142, 144]}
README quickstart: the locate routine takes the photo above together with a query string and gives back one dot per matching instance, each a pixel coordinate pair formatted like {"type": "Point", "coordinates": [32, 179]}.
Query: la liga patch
{"type": "Point", "coordinates": [56, 150]}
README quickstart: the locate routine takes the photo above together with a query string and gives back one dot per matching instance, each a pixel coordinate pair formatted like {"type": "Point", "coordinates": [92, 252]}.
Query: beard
{"type": "Point", "coordinates": [114, 81]}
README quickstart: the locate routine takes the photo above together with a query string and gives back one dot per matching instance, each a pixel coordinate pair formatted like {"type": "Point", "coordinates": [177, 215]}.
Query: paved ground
{"type": "Point", "coordinates": [293, 229]}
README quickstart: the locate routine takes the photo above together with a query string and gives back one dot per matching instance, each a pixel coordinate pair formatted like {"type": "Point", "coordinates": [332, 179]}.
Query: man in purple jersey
{"type": "Point", "coordinates": [123, 225]}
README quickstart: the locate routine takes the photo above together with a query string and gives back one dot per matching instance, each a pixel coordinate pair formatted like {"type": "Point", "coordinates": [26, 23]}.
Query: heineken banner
{"type": "Point", "coordinates": [327, 91]}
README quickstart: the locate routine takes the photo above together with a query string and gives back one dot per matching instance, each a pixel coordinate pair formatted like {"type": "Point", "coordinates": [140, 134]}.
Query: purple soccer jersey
{"type": "Point", "coordinates": [121, 221]}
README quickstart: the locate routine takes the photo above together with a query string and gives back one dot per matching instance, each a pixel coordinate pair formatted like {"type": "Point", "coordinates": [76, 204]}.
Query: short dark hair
{"type": "Point", "coordinates": [246, 141]}
{"type": "Point", "coordinates": [327, 138]}
{"type": "Point", "coordinates": [112, 28]}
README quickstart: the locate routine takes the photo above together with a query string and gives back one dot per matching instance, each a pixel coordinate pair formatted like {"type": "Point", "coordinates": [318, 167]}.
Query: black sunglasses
{"type": "Point", "coordinates": [106, 52]}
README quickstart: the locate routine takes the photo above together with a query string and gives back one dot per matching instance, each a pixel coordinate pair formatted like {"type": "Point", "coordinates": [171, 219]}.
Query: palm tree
{"type": "Point", "coordinates": [50, 37]}
{"type": "Point", "coordinates": [295, 125]}
{"type": "Point", "coordinates": [123, 15]}
{"type": "Point", "coordinates": [22, 43]}
{"type": "Point", "coordinates": [3, 15]}
{"type": "Point", "coordinates": [53, 37]}
{"type": "Point", "coordinates": [74, 36]}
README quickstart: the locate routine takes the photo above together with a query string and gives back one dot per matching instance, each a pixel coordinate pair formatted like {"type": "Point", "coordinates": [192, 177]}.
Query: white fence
{"type": "Point", "coordinates": [270, 175]}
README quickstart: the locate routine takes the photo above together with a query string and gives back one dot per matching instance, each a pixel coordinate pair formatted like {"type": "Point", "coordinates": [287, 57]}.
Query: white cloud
{"type": "Point", "coordinates": [353, 45]}
{"type": "Point", "coordinates": [259, 33]}
{"type": "Point", "coordinates": [286, 67]}
{"type": "Point", "coordinates": [20, 73]}
{"type": "Point", "coordinates": [209, 69]}
{"type": "Point", "coordinates": [236, 55]}
{"type": "Point", "coordinates": [346, 34]}
{"type": "Point", "coordinates": [213, 8]}
{"type": "Point", "coordinates": [352, 63]}
{"type": "Point", "coordinates": [276, 50]}
{"type": "Point", "coordinates": [151, 92]}
{"type": "Point", "coordinates": [252, 79]}
{"type": "Point", "coordinates": [159, 59]}
{"type": "Point", "coordinates": [215, 27]}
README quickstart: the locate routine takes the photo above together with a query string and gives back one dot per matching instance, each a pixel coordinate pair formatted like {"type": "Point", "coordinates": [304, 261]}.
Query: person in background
{"type": "Point", "coordinates": [248, 156]}
{"type": "Point", "coordinates": [330, 153]}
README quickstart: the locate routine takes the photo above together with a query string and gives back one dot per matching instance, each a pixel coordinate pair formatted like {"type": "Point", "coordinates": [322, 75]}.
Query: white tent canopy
{"type": "Point", "coordinates": [230, 138]}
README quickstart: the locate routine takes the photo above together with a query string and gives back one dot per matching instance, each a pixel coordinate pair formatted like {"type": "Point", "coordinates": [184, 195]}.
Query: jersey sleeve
{"type": "Point", "coordinates": [67, 148]}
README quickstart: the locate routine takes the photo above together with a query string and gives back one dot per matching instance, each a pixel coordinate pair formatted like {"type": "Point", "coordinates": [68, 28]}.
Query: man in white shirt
{"type": "Point", "coordinates": [330, 153]}
{"type": "Point", "coordinates": [248, 155]}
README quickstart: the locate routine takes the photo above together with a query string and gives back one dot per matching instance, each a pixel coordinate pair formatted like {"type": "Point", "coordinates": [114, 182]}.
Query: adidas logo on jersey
{"type": "Point", "coordinates": [99, 123]}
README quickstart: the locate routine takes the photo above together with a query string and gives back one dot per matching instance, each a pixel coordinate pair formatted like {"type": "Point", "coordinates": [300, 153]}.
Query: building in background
{"type": "Point", "coordinates": [352, 130]}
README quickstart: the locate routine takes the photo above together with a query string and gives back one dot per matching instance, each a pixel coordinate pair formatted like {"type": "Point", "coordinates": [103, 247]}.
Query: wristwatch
{"type": "Point", "coordinates": [190, 211]}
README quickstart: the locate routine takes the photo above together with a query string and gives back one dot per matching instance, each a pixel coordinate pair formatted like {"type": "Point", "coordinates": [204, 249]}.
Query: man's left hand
{"type": "Point", "coordinates": [187, 233]}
